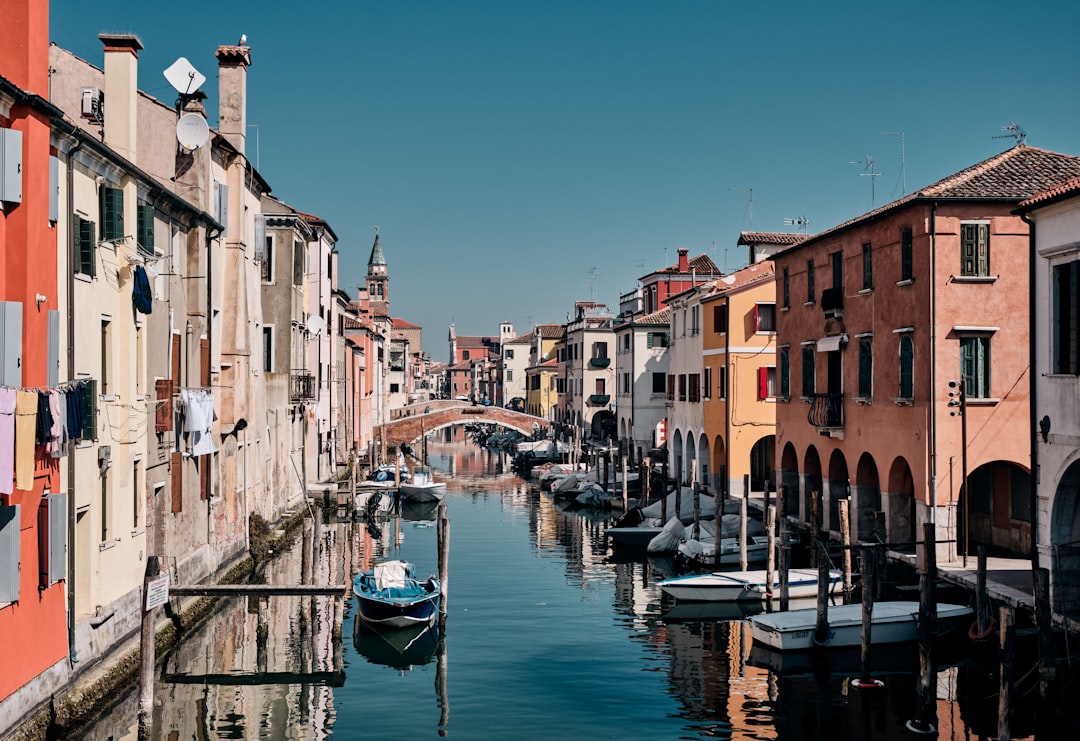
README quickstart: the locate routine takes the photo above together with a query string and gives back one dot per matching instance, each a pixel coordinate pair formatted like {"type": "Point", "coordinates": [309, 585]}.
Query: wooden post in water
{"type": "Point", "coordinates": [815, 522]}
{"type": "Point", "coordinates": [770, 561]}
{"type": "Point", "coordinates": [646, 490]}
{"type": "Point", "coordinates": [697, 510]}
{"type": "Point", "coordinates": [607, 470]}
{"type": "Point", "coordinates": [625, 486]}
{"type": "Point", "coordinates": [262, 633]}
{"type": "Point", "coordinates": [821, 630]}
{"type": "Point", "coordinates": [1043, 619]}
{"type": "Point", "coordinates": [146, 652]}
{"type": "Point", "coordinates": [982, 602]}
{"type": "Point", "coordinates": [866, 566]}
{"type": "Point", "coordinates": [743, 514]}
{"type": "Point", "coordinates": [443, 537]}
{"type": "Point", "coordinates": [845, 542]}
{"type": "Point", "coordinates": [785, 546]}
{"type": "Point", "coordinates": [1008, 635]}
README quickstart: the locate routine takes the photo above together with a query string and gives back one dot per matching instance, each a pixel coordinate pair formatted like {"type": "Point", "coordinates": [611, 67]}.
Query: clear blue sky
{"type": "Point", "coordinates": [518, 156]}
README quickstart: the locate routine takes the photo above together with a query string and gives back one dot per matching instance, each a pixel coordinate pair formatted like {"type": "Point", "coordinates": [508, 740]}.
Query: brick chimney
{"type": "Point", "coordinates": [684, 263]}
{"type": "Point", "coordinates": [233, 62]}
{"type": "Point", "coordinates": [121, 92]}
{"type": "Point", "coordinates": [24, 45]}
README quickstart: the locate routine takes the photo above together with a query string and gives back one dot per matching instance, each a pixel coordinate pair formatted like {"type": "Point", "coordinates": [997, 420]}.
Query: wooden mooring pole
{"type": "Point", "coordinates": [982, 600]}
{"type": "Point", "coordinates": [821, 630]}
{"type": "Point", "coordinates": [443, 537]}
{"type": "Point", "coordinates": [845, 541]}
{"type": "Point", "coordinates": [782, 494]}
{"type": "Point", "coordinates": [743, 514]}
{"type": "Point", "coordinates": [625, 486]}
{"type": "Point", "coordinates": [146, 649]}
{"type": "Point", "coordinates": [815, 522]}
{"type": "Point", "coordinates": [770, 561]}
{"type": "Point", "coordinates": [1006, 618]}
{"type": "Point", "coordinates": [866, 641]}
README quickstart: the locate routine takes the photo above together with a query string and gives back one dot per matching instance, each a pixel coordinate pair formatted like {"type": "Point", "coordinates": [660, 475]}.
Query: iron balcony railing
{"type": "Point", "coordinates": [599, 362]}
{"type": "Point", "coordinates": [826, 411]}
{"type": "Point", "coordinates": [598, 400]}
{"type": "Point", "coordinates": [303, 386]}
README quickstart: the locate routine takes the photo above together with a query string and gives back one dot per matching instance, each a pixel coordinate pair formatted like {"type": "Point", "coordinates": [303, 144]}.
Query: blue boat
{"type": "Point", "coordinates": [389, 595]}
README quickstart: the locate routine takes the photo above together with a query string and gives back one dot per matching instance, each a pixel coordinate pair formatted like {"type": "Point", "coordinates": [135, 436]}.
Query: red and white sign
{"type": "Point", "coordinates": [157, 592]}
{"type": "Point", "coordinates": [661, 432]}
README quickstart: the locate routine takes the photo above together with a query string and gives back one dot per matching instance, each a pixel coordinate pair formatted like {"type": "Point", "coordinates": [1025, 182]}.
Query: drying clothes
{"type": "Point", "coordinates": [7, 441]}
{"type": "Point", "coordinates": [26, 408]}
{"type": "Point", "coordinates": [140, 292]}
{"type": "Point", "coordinates": [57, 447]}
{"type": "Point", "coordinates": [43, 426]}
{"type": "Point", "coordinates": [199, 420]}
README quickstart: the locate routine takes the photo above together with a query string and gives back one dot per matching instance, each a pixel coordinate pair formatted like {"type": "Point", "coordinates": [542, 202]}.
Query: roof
{"type": "Point", "coordinates": [657, 318]}
{"type": "Point", "coordinates": [470, 341]}
{"type": "Point", "coordinates": [1067, 189]}
{"type": "Point", "coordinates": [377, 257]}
{"type": "Point", "coordinates": [733, 282]}
{"type": "Point", "coordinates": [1013, 175]}
{"type": "Point", "coordinates": [700, 264]}
{"type": "Point", "coordinates": [551, 331]}
{"type": "Point", "coordinates": [400, 323]}
{"type": "Point", "coordinates": [781, 238]}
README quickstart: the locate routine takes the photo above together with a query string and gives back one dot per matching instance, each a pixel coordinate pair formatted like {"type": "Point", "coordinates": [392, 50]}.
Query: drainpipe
{"type": "Point", "coordinates": [212, 233]}
{"type": "Point", "coordinates": [933, 364]}
{"type": "Point", "coordinates": [70, 185]}
{"type": "Point", "coordinates": [1033, 395]}
{"type": "Point", "coordinates": [727, 397]}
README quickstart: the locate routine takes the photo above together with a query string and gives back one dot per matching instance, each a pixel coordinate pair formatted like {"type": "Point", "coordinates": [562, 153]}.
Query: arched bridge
{"type": "Point", "coordinates": [412, 423]}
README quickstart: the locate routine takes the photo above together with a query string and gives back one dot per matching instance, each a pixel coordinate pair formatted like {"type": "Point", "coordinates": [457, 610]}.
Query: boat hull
{"type": "Point", "coordinates": [893, 622]}
{"type": "Point", "coordinates": [743, 586]}
{"type": "Point", "coordinates": [402, 603]}
{"type": "Point", "coordinates": [422, 493]}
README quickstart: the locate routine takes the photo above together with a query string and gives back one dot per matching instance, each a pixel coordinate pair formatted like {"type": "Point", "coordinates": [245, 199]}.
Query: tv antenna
{"type": "Point", "coordinates": [802, 222]}
{"type": "Point", "coordinates": [1015, 132]}
{"type": "Point", "coordinates": [594, 273]}
{"type": "Point", "coordinates": [868, 166]}
{"type": "Point", "coordinates": [903, 168]}
{"type": "Point", "coordinates": [751, 206]}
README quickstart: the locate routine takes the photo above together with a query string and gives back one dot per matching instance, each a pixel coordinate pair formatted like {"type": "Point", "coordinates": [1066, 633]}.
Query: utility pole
{"type": "Point", "coordinates": [958, 406]}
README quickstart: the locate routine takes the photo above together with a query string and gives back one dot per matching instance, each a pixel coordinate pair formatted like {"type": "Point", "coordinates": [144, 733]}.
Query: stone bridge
{"type": "Point", "coordinates": [411, 423]}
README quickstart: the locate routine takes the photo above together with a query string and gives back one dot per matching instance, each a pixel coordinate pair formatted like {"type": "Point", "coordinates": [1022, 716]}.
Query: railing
{"type": "Point", "coordinates": [598, 400]}
{"type": "Point", "coordinates": [303, 386]}
{"type": "Point", "coordinates": [599, 362]}
{"type": "Point", "coordinates": [826, 410]}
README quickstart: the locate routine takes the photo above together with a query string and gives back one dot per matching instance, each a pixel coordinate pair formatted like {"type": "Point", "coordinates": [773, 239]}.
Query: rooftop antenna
{"type": "Point", "coordinates": [868, 165]}
{"type": "Point", "coordinates": [1015, 132]}
{"type": "Point", "coordinates": [594, 273]}
{"type": "Point", "coordinates": [751, 206]}
{"type": "Point", "coordinates": [903, 167]}
{"type": "Point", "coordinates": [802, 222]}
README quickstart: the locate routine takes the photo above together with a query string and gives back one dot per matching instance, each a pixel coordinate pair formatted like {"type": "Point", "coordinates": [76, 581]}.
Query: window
{"type": "Point", "coordinates": [112, 213]}
{"type": "Point", "coordinates": [808, 371]}
{"type": "Point", "coordinates": [299, 257]}
{"type": "Point", "coordinates": [767, 382]}
{"type": "Point", "coordinates": [975, 366]}
{"type": "Point", "coordinates": [658, 339]}
{"type": "Point", "coordinates": [106, 353]}
{"type": "Point", "coordinates": [975, 249]}
{"type": "Point", "coordinates": [682, 387]}
{"type": "Point", "coordinates": [706, 383]}
{"type": "Point", "coordinates": [266, 263]}
{"type": "Point", "coordinates": [671, 387]}
{"type": "Point", "coordinates": [720, 319]}
{"type": "Point", "coordinates": [810, 296]}
{"type": "Point", "coordinates": [268, 349]}
{"type": "Point", "coordinates": [625, 383]}
{"type": "Point", "coordinates": [85, 257]}
{"type": "Point", "coordinates": [659, 383]}
{"type": "Point", "coordinates": [1066, 321]}
{"type": "Point", "coordinates": [509, 353]}
{"type": "Point", "coordinates": [52, 540]}
{"type": "Point", "coordinates": [626, 342]}
{"type": "Point", "coordinates": [867, 267]}
{"type": "Point", "coordinates": [9, 546]}
{"type": "Point", "coordinates": [906, 269]}
{"type": "Point", "coordinates": [837, 259]}
{"type": "Point", "coordinates": [866, 369]}
{"type": "Point", "coordinates": [765, 317]}
{"type": "Point", "coordinates": [695, 320]}
{"type": "Point", "coordinates": [465, 355]}
{"type": "Point", "coordinates": [509, 375]}
{"type": "Point", "coordinates": [907, 368]}
{"type": "Point", "coordinates": [395, 388]}
{"type": "Point", "coordinates": [106, 516]}
{"type": "Point", "coordinates": [136, 495]}
{"type": "Point", "coordinates": [785, 374]}
{"type": "Point", "coordinates": [787, 289]}
{"type": "Point", "coordinates": [694, 387]}
{"type": "Point", "coordinates": [599, 350]}
{"type": "Point", "coordinates": [144, 230]}
{"type": "Point", "coordinates": [721, 382]}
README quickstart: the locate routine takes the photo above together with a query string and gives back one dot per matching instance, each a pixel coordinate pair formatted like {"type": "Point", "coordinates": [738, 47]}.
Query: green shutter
{"type": "Point", "coordinates": [866, 369]}
{"type": "Point", "coordinates": [905, 255]}
{"type": "Point", "coordinates": [907, 368]}
{"type": "Point", "coordinates": [89, 430]}
{"type": "Point", "coordinates": [85, 254]}
{"type": "Point", "coordinates": [112, 213]}
{"type": "Point", "coordinates": [785, 371]}
{"type": "Point", "coordinates": [982, 249]}
{"type": "Point", "coordinates": [651, 339]}
{"type": "Point", "coordinates": [807, 371]}
{"type": "Point", "coordinates": [145, 229]}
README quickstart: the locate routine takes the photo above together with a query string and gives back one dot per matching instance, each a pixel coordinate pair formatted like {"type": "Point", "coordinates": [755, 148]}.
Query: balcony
{"type": "Point", "coordinates": [826, 412]}
{"type": "Point", "coordinates": [599, 362]}
{"type": "Point", "coordinates": [598, 400]}
{"type": "Point", "coordinates": [303, 387]}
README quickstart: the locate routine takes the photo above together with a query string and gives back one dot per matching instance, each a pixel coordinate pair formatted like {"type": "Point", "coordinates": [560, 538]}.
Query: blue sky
{"type": "Point", "coordinates": [518, 156]}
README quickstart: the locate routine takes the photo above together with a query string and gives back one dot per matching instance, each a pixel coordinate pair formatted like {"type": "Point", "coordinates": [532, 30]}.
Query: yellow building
{"type": "Point", "coordinates": [740, 377]}
{"type": "Point", "coordinates": [542, 375]}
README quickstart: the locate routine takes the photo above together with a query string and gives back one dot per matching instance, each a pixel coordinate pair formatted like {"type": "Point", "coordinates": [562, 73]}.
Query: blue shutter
{"type": "Point", "coordinates": [11, 343]}
{"type": "Point", "coordinates": [57, 537]}
{"type": "Point", "coordinates": [9, 554]}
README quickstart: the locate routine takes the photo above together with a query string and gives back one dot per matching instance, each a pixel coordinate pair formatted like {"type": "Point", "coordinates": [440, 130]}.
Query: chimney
{"type": "Point", "coordinates": [233, 62]}
{"type": "Point", "coordinates": [684, 263]}
{"type": "Point", "coordinates": [121, 91]}
{"type": "Point", "coordinates": [24, 45]}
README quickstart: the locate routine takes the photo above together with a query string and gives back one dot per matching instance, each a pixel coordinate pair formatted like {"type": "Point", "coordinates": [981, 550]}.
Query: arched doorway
{"type": "Point", "coordinates": [676, 463]}
{"type": "Point", "coordinates": [762, 461]}
{"type": "Point", "coordinates": [1065, 541]}
{"type": "Point", "coordinates": [866, 500]}
{"type": "Point", "coordinates": [811, 482]}
{"type": "Point", "coordinates": [603, 425]}
{"type": "Point", "coordinates": [839, 488]}
{"type": "Point", "coordinates": [998, 512]}
{"type": "Point", "coordinates": [719, 467]}
{"type": "Point", "coordinates": [703, 456]}
{"type": "Point", "coordinates": [789, 479]}
{"type": "Point", "coordinates": [900, 518]}
{"type": "Point", "coordinates": [690, 470]}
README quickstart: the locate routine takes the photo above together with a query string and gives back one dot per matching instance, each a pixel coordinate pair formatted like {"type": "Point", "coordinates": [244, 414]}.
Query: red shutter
{"type": "Point", "coordinates": [163, 410]}
{"type": "Point", "coordinates": [177, 480]}
{"type": "Point", "coordinates": [757, 321]}
{"type": "Point", "coordinates": [762, 382]}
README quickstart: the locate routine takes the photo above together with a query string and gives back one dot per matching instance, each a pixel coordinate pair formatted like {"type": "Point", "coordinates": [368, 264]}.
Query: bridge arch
{"type": "Point", "coordinates": [408, 428]}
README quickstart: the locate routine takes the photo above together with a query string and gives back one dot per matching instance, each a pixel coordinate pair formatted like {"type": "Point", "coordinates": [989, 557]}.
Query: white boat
{"type": "Point", "coordinates": [744, 586]}
{"type": "Point", "coordinates": [422, 487]}
{"type": "Point", "coordinates": [646, 523]}
{"type": "Point", "coordinates": [703, 551]}
{"type": "Point", "coordinates": [674, 532]}
{"type": "Point", "coordinates": [892, 622]}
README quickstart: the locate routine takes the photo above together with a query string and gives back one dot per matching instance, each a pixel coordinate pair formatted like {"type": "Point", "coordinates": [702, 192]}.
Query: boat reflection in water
{"type": "Point", "coordinates": [398, 648]}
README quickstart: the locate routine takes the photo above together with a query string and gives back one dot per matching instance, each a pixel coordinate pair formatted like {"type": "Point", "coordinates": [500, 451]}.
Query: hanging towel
{"type": "Point", "coordinates": [58, 444]}
{"type": "Point", "coordinates": [7, 441]}
{"type": "Point", "coordinates": [26, 408]}
{"type": "Point", "coordinates": [141, 295]}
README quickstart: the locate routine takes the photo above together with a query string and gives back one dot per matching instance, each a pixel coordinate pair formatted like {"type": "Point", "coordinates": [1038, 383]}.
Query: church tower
{"type": "Point", "coordinates": [378, 282]}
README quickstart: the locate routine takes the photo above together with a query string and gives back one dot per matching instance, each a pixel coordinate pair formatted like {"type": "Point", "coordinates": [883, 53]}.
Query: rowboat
{"type": "Point", "coordinates": [744, 586]}
{"type": "Point", "coordinates": [891, 622]}
{"type": "Point", "coordinates": [389, 595]}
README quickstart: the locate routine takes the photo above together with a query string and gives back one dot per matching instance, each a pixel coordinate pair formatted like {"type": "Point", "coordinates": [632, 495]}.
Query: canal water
{"type": "Point", "coordinates": [549, 634]}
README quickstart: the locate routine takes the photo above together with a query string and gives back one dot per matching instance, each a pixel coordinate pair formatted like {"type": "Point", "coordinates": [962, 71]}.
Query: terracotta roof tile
{"type": "Point", "coordinates": [702, 264]}
{"type": "Point", "coordinates": [785, 238]}
{"type": "Point", "coordinates": [1070, 187]}
{"type": "Point", "coordinates": [400, 323]}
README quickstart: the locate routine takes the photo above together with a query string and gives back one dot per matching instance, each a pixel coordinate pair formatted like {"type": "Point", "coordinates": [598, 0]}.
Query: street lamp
{"type": "Point", "coordinates": [958, 406]}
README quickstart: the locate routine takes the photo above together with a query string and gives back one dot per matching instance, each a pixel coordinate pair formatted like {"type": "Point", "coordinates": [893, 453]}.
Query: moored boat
{"type": "Point", "coordinates": [744, 586]}
{"type": "Point", "coordinates": [391, 596]}
{"type": "Point", "coordinates": [422, 487]}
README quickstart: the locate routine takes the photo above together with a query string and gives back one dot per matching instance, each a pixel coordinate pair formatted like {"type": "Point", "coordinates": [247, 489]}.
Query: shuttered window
{"type": "Point", "coordinates": [975, 249]}
{"type": "Point", "coordinates": [975, 366]}
{"type": "Point", "coordinates": [176, 479]}
{"type": "Point", "coordinates": [89, 430]}
{"type": "Point", "coordinates": [785, 374]}
{"type": "Point", "coordinates": [808, 371]}
{"type": "Point", "coordinates": [720, 319]}
{"type": "Point", "coordinates": [9, 554]}
{"type": "Point", "coordinates": [866, 369]}
{"type": "Point", "coordinates": [867, 267]}
{"type": "Point", "coordinates": [163, 407]}
{"type": "Point", "coordinates": [766, 382]}
{"type": "Point", "coordinates": [144, 213]}
{"type": "Point", "coordinates": [907, 368]}
{"type": "Point", "coordinates": [810, 295]}
{"type": "Point", "coordinates": [85, 261]}
{"type": "Point", "coordinates": [52, 539]}
{"type": "Point", "coordinates": [112, 213]}
{"type": "Point", "coordinates": [906, 255]}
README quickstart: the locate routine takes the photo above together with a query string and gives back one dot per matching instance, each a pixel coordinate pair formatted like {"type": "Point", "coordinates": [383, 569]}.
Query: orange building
{"type": "Point", "coordinates": [33, 511]}
{"type": "Point", "coordinates": [874, 318]}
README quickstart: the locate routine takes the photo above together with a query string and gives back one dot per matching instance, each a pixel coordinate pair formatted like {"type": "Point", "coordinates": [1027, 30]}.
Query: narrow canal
{"type": "Point", "coordinates": [549, 634]}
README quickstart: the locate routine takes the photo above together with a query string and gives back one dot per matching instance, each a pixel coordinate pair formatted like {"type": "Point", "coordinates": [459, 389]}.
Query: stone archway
{"type": "Point", "coordinates": [690, 463]}
{"type": "Point", "coordinates": [675, 464]}
{"type": "Point", "coordinates": [839, 488]}
{"type": "Point", "coordinates": [865, 499]}
{"type": "Point", "coordinates": [762, 460]}
{"type": "Point", "coordinates": [811, 482]}
{"type": "Point", "coordinates": [704, 469]}
{"type": "Point", "coordinates": [899, 505]}
{"type": "Point", "coordinates": [1065, 543]}
{"type": "Point", "coordinates": [789, 479]}
{"type": "Point", "coordinates": [719, 467]}
{"type": "Point", "coordinates": [998, 512]}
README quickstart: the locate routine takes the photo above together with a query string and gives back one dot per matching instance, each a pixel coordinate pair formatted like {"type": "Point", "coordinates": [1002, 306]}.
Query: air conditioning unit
{"type": "Point", "coordinates": [93, 103]}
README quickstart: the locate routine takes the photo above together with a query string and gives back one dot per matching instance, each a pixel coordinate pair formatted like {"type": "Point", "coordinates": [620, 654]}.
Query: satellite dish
{"type": "Point", "coordinates": [315, 324]}
{"type": "Point", "coordinates": [192, 131]}
{"type": "Point", "coordinates": [185, 78]}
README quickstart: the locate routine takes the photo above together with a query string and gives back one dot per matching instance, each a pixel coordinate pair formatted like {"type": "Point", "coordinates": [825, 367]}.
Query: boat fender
{"type": "Point", "coordinates": [975, 635]}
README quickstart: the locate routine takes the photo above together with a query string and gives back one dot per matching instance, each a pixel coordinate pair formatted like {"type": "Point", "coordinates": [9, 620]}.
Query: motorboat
{"type": "Point", "coordinates": [389, 595]}
{"type": "Point", "coordinates": [422, 486]}
{"type": "Point", "coordinates": [745, 586]}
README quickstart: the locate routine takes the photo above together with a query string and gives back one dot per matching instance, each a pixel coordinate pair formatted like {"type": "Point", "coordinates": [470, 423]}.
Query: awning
{"type": "Point", "coordinates": [829, 344]}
